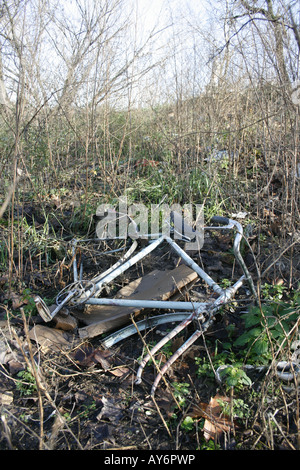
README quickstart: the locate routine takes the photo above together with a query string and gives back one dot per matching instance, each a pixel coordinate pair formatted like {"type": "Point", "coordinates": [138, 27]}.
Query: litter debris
{"type": "Point", "coordinates": [86, 356]}
{"type": "Point", "coordinates": [155, 286]}
{"type": "Point", "coordinates": [10, 354]}
{"type": "Point", "coordinates": [50, 339]}
{"type": "Point", "coordinates": [65, 322]}
{"type": "Point", "coordinates": [153, 291]}
{"type": "Point", "coordinates": [6, 398]}
{"type": "Point", "coordinates": [239, 215]}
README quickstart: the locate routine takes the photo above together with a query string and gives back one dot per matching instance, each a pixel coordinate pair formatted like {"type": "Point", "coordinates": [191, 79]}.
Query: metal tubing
{"type": "Point", "coordinates": [189, 262]}
{"type": "Point", "coordinates": [237, 253]}
{"type": "Point", "coordinates": [160, 344]}
{"type": "Point", "coordinates": [121, 266]}
{"type": "Point", "coordinates": [75, 272]}
{"type": "Point", "coordinates": [112, 268]}
{"type": "Point", "coordinates": [151, 322]}
{"type": "Point", "coordinates": [179, 353]}
{"type": "Point", "coordinates": [43, 309]}
{"type": "Point", "coordinates": [128, 263]}
{"type": "Point", "coordinates": [156, 304]}
{"type": "Point", "coordinates": [236, 245]}
{"type": "Point", "coordinates": [227, 295]}
{"type": "Point", "coordinates": [173, 358]}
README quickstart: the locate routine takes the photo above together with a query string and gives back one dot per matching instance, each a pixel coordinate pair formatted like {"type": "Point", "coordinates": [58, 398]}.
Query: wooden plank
{"type": "Point", "coordinates": [157, 285]}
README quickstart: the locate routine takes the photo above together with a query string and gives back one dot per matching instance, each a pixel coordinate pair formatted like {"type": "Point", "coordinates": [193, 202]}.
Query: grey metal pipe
{"type": "Point", "coordinates": [230, 224]}
{"type": "Point", "coordinates": [75, 271]}
{"type": "Point", "coordinates": [189, 262]}
{"type": "Point", "coordinates": [120, 267]}
{"type": "Point", "coordinates": [130, 330]}
{"type": "Point", "coordinates": [117, 264]}
{"type": "Point", "coordinates": [152, 246]}
{"type": "Point", "coordinates": [237, 253]}
{"type": "Point", "coordinates": [156, 304]}
{"type": "Point", "coordinates": [108, 278]}
{"type": "Point", "coordinates": [227, 295]}
{"type": "Point", "coordinates": [161, 343]}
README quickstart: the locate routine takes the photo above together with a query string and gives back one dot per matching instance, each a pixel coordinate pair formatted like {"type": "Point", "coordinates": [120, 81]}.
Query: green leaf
{"type": "Point", "coordinates": [242, 340]}
{"type": "Point", "coordinates": [188, 423]}
{"type": "Point", "coordinates": [261, 347]}
{"type": "Point", "coordinates": [252, 320]}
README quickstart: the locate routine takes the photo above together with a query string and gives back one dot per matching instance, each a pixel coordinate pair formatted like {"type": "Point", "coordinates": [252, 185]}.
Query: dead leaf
{"type": "Point", "coordinates": [86, 356]}
{"type": "Point", "coordinates": [119, 371]}
{"type": "Point", "coordinates": [164, 401]}
{"type": "Point", "coordinates": [6, 398]}
{"type": "Point", "coordinates": [198, 410]}
{"type": "Point", "coordinates": [216, 421]}
{"type": "Point", "coordinates": [16, 299]}
{"type": "Point", "coordinates": [15, 366]}
{"type": "Point", "coordinates": [111, 410]}
{"type": "Point", "coordinates": [104, 358]}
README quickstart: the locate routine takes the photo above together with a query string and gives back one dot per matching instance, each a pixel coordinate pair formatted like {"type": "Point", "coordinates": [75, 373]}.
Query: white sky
{"type": "Point", "coordinates": [152, 11]}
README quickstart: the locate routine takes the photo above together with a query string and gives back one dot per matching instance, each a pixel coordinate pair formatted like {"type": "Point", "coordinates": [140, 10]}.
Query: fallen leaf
{"type": "Point", "coordinates": [86, 356]}
{"type": "Point", "coordinates": [15, 366]}
{"type": "Point", "coordinates": [216, 421]}
{"type": "Point", "coordinates": [104, 358]}
{"type": "Point", "coordinates": [119, 371]}
{"type": "Point", "coordinates": [16, 299]}
{"type": "Point", "coordinates": [111, 411]}
{"type": "Point", "coordinates": [198, 410]}
{"type": "Point", "coordinates": [6, 398]}
{"type": "Point", "coordinates": [83, 355]}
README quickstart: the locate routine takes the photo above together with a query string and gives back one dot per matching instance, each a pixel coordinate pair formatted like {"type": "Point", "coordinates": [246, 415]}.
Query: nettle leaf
{"type": "Point", "coordinates": [281, 329]}
{"type": "Point", "coordinates": [252, 320]}
{"type": "Point", "coordinates": [248, 336]}
{"type": "Point", "coordinates": [255, 333]}
{"type": "Point", "coordinates": [261, 346]}
{"type": "Point", "coordinates": [242, 340]}
{"type": "Point", "coordinates": [271, 322]}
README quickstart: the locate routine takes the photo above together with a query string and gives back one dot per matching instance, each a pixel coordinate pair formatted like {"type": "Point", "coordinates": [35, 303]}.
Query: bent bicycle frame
{"type": "Point", "coordinates": [202, 313]}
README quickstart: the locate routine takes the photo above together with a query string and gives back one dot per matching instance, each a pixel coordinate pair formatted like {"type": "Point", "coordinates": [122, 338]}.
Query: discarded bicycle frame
{"type": "Point", "coordinates": [201, 313]}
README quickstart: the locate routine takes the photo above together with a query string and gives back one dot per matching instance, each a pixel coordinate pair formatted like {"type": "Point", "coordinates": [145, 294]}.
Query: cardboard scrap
{"type": "Point", "coordinates": [157, 285]}
{"type": "Point", "coordinates": [65, 322]}
{"type": "Point", "coordinates": [50, 338]}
